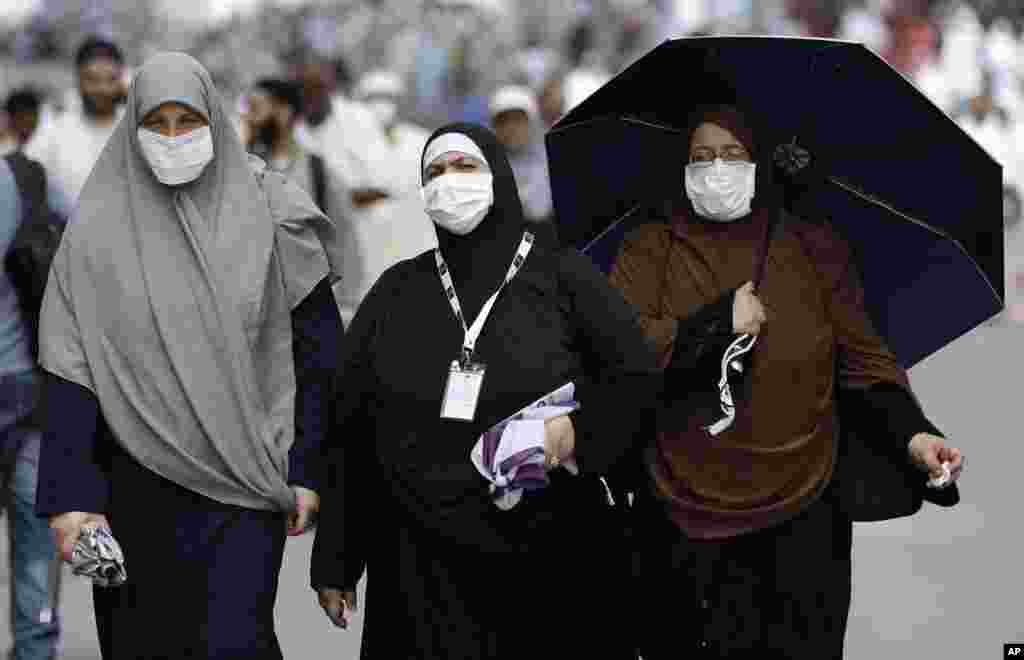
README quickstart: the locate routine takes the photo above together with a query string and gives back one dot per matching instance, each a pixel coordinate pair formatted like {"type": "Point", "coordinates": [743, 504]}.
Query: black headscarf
{"type": "Point", "coordinates": [479, 260]}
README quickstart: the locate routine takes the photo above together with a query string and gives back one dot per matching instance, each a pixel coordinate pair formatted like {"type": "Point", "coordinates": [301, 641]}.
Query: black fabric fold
{"type": "Point", "coordinates": [693, 372]}
{"type": "Point", "coordinates": [618, 374]}
{"type": "Point", "coordinates": [886, 415]}
{"type": "Point", "coordinates": [707, 332]}
{"type": "Point", "coordinates": [877, 424]}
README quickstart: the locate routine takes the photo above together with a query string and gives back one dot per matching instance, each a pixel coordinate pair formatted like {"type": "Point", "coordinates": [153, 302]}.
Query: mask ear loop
{"type": "Point", "coordinates": [741, 346]}
{"type": "Point", "coordinates": [738, 347]}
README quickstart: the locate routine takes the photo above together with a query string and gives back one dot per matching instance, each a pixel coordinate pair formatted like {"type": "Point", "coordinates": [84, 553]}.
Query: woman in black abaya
{"type": "Point", "coordinates": [454, 576]}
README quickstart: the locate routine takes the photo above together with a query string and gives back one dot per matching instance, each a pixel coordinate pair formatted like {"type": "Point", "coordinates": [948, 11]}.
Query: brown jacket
{"type": "Point", "coordinates": [781, 451]}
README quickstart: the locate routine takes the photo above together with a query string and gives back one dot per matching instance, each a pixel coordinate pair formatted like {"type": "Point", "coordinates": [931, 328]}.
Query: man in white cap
{"type": "Point", "coordinates": [375, 236]}
{"type": "Point", "coordinates": [381, 92]}
{"type": "Point", "coordinates": [515, 117]}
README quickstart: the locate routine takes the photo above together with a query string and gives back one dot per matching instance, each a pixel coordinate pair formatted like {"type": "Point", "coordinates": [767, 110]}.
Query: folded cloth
{"type": "Point", "coordinates": [98, 556]}
{"type": "Point", "coordinates": [510, 455]}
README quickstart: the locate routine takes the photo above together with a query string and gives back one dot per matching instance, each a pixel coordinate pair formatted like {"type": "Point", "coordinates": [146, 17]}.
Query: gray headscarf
{"type": "Point", "coordinates": [172, 304]}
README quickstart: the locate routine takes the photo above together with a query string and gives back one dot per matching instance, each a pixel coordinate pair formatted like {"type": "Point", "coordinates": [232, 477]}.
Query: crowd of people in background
{"type": "Point", "coordinates": [470, 61]}
{"type": "Point", "coordinates": [352, 135]}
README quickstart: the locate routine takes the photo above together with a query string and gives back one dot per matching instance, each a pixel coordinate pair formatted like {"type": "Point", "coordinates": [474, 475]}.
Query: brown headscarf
{"type": "Point", "coordinates": [726, 116]}
{"type": "Point", "coordinates": [780, 452]}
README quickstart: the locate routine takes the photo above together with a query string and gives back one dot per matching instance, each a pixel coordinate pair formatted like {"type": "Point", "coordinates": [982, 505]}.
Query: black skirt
{"type": "Point", "coordinates": [783, 592]}
{"type": "Point", "coordinates": [202, 576]}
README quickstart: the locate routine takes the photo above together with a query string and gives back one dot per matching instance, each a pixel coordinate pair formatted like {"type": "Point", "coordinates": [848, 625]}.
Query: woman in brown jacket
{"type": "Point", "coordinates": [742, 528]}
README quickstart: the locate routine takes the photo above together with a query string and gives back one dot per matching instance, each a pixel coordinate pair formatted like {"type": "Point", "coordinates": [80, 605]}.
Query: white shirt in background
{"type": "Point", "coordinates": [68, 147]}
{"type": "Point", "coordinates": [375, 238]}
{"type": "Point", "coordinates": [351, 144]}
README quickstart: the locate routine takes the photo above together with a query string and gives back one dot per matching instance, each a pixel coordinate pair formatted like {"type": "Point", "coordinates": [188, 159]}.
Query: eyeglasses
{"type": "Point", "coordinates": [729, 153]}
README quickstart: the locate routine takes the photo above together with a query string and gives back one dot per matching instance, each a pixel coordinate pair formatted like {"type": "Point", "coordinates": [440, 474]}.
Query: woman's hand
{"type": "Point", "coordinates": [335, 602]}
{"type": "Point", "coordinates": [747, 311]}
{"type": "Point", "coordinates": [928, 452]}
{"type": "Point", "coordinates": [559, 440]}
{"type": "Point", "coordinates": [68, 526]}
{"type": "Point", "coordinates": [307, 506]}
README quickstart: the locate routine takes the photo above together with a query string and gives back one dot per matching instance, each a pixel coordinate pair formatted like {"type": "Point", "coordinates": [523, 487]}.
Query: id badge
{"type": "Point", "coordinates": [462, 391]}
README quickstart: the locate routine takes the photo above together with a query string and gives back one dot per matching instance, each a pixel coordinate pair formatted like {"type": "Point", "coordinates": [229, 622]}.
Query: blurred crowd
{"type": "Point", "coordinates": [519, 66]}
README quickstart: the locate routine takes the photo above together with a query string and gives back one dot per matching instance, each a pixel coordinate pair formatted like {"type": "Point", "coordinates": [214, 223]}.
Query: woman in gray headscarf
{"type": "Point", "coordinates": [187, 331]}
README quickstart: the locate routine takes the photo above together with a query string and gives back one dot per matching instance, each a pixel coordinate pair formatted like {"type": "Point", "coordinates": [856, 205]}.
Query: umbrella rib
{"type": "Point", "coordinates": [871, 199]}
{"type": "Point", "coordinates": [612, 226]}
{"type": "Point", "coordinates": [650, 124]}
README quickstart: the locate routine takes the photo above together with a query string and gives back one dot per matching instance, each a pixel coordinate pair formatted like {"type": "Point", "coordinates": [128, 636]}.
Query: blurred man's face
{"type": "Point", "coordinates": [260, 107]}
{"type": "Point", "coordinates": [99, 81]}
{"type": "Point", "coordinates": [24, 124]}
{"type": "Point", "coordinates": [552, 101]}
{"type": "Point", "coordinates": [981, 105]}
{"type": "Point", "coordinates": [269, 118]}
{"type": "Point", "coordinates": [513, 129]}
{"type": "Point", "coordinates": [384, 108]}
{"type": "Point", "coordinates": [317, 84]}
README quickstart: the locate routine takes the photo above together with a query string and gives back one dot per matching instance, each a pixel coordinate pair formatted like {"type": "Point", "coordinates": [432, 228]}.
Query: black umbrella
{"type": "Point", "coordinates": [919, 201]}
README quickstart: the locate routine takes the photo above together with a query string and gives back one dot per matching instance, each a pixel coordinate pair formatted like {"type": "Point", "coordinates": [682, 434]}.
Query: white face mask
{"type": "Point", "coordinates": [458, 202]}
{"type": "Point", "coordinates": [177, 160]}
{"type": "Point", "coordinates": [721, 191]}
{"type": "Point", "coordinates": [385, 112]}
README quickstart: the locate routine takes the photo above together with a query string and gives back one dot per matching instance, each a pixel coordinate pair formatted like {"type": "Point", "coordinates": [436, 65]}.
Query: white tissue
{"type": "Point", "coordinates": [944, 479]}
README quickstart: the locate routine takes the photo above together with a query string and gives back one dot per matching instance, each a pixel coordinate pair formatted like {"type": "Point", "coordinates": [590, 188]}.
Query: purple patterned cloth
{"type": "Point", "coordinates": [511, 453]}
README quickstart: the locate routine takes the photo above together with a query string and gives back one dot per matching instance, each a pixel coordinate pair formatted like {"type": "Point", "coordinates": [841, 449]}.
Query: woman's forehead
{"type": "Point", "coordinates": [450, 157]}
{"type": "Point", "coordinates": [173, 109]}
{"type": "Point", "coordinates": [711, 134]}
{"type": "Point", "coordinates": [447, 143]}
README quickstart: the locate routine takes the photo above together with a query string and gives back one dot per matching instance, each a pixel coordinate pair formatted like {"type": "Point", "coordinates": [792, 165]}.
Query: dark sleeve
{"type": "Point", "coordinates": [707, 332]}
{"type": "Point", "coordinates": [621, 384]}
{"type": "Point", "coordinates": [73, 472]}
{"type": "Point", "coordinates": [883, 412]}
{"type": "Point", "coordinates": [339, 549]}
{"type": "Point", "coordinates": [874, 389]}
{"type": "Point", "coordinates": [316, 334]}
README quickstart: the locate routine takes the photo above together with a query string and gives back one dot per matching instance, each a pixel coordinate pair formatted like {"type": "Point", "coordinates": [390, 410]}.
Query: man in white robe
{"type": "Point", "coordinates": [377, 232]}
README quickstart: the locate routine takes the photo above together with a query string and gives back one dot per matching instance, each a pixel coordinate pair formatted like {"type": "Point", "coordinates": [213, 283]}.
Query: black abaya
{"type": "Point", "coordinates": [454, 577]}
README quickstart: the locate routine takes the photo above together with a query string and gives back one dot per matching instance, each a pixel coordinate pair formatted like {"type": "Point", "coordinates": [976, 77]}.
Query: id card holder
{"type": "Point", "coordinates": [462, 391]}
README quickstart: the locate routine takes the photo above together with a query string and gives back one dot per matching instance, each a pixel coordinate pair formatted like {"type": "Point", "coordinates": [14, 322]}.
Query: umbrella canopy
{"type": "Point", "coordinates": [919, 201]}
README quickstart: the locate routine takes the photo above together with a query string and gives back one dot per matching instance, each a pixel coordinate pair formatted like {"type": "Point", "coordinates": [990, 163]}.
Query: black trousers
{"type": "Point", "coordinates": [202, 576]}
{"type": "Point", "coordinates": [783, 592]}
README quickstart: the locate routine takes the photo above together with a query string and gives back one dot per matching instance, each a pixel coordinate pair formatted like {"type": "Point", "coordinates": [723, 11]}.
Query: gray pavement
{"type": "Point", "coordinates": [942, 584]}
